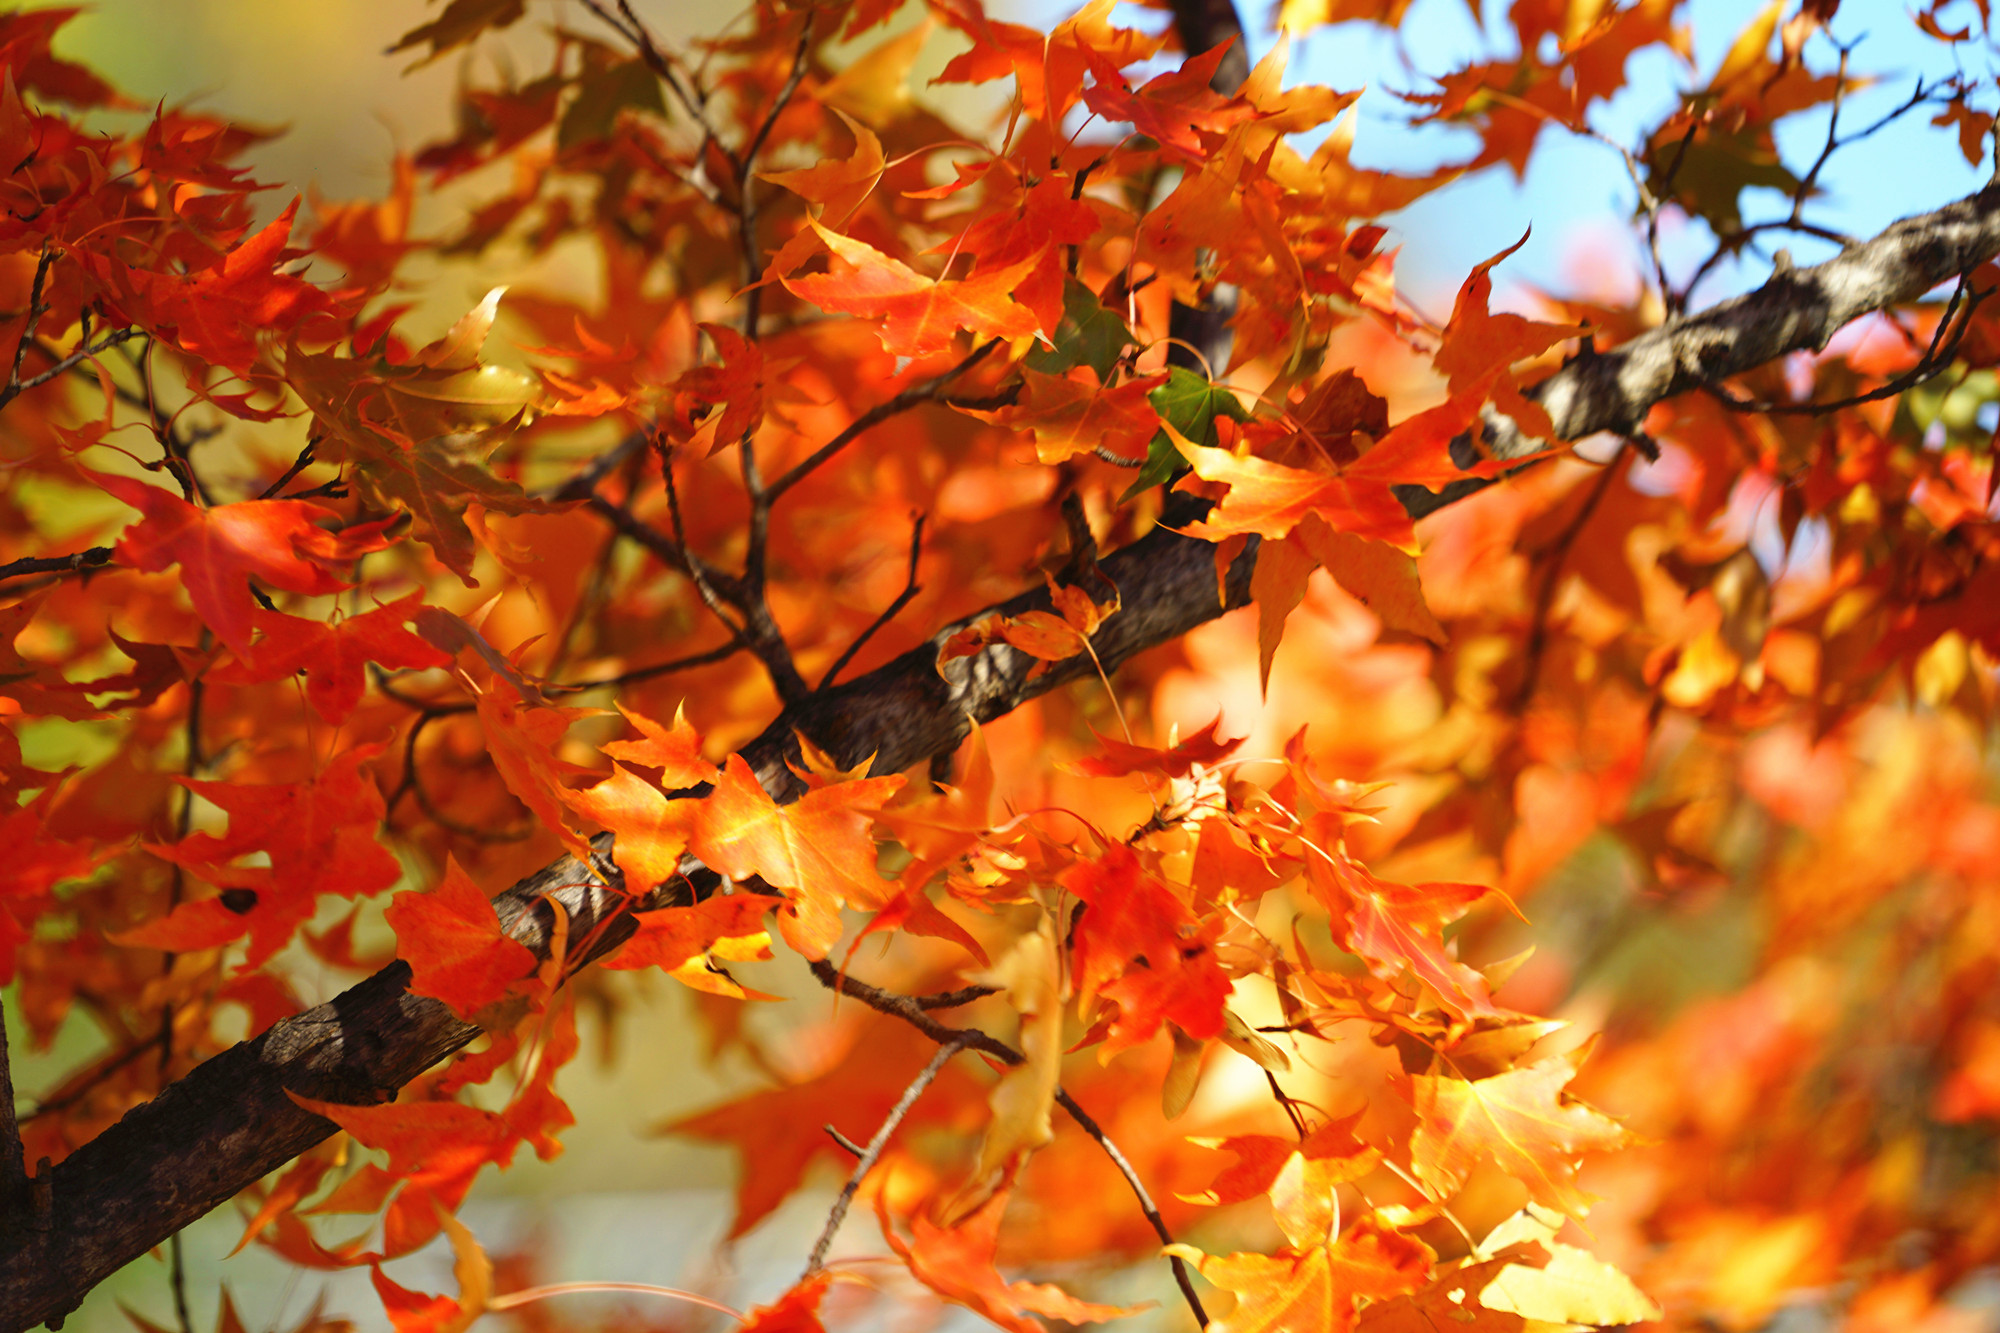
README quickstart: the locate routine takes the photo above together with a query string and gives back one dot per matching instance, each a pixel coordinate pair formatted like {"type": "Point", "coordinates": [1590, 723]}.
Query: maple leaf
{"type": "Point", "coordinates": [524, 738]}
{"type": "Point", "coordinates": [1139, 945]}
{"type": "Point", "coordinates": [1069, 415]}
{"type": "Point", "coordinates": [452, 940]}
{"type": "Point", "coordinates": [333, 656]}
{"type": "Point", "coordinates": [1119, 758]}
{"type": "Point", "coordinates": [837, 185]}
{"type": "Point", "coordinates": [221, 549]}
{"type": "Point", "coordinates": [957, 1263]}
{"type": "Point", "coordinates": [319, 836]}
{"type": "Point", "coordinates": [1317, 1288]}
{"type": "Point", "coordinates": [412, 1312]}
{"type": "Point", "coordinates": [218, 311]}
{"type": "Point", "coordinates": [672, 937]}
{"type": "Point", "coordinates": [418, 433]}
{"type": "Point", "coordinates": [1521, 1120]}
{"type": "Point", "coordinates": [1478, 343]}
{"type": "Point", "coordinates": [819, 847]}
{"type": "Point", "coordinates": [1270, 499]}
{"type": "Point", "coordinates": [797, 1311]}
{"type": "Point", "coordinates": [37, 687]}
{"type": "Point", "coordinates": [919, 315]}
{"type": "Point", "coordinates": [1394, 926]}
{"type": "Point", "coordinates": [1572, 1287]}
{"type": "Point", "coordinates": [652, 831]}
{"type": "Point", "coordinates": [35, 864]}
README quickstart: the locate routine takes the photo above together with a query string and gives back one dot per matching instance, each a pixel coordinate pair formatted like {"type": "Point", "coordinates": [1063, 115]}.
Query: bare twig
{"type": "Point", "coordinates": [930, 390]}
{"type": "Point", "coordinates": [746, 195]}
{"type": "Point", "coordinates": [664, 547]}
{"type": "Point", "coordinates": [912, 1012]}
{"type": "Point", "coordinates": [299, 464]}
{"type": "Point", "coordinates": [873, 1153]}
{"type": "Point", "coordinates": [910, 590]}
{"type": "Point", "coordinates": [708, 658]}
{"type": "Point", "coordinates": [1146, 1205]}
{"type": "Point", "coordinates": [56, 564]}
{"type": "Point", "coordinates": [1538, 631]}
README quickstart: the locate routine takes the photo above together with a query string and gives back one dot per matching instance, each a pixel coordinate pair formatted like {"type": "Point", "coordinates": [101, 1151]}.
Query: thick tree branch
{"type": "Point", "coordinates": [229, 1121]}
{"type": "Point", "coordinates": [1798, 310]}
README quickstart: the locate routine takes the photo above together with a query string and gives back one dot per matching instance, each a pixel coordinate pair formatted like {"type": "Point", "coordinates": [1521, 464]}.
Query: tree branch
{"type": "Point", "coordinates": [1798, 310]}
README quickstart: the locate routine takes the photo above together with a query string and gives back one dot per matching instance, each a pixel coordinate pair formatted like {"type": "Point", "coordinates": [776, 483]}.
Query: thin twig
{"type": "Point", "coordinates": [1290, 1107]}
{"type": "Point", "coordinates": [912, 1012]}
{"type": "Point", "coordinates": [1545, 598]}
{"type": "Point", "coordinates": [929, 391]}
{"type": "Point", "coordinates": [56, 564]}
{"type": "Point", "coordinates": [873, 1153]}
{"type": "Point", "coordinates": [953, 999]}
{"type": "Point", "coordinates": [708, 658]}
{"type": "Point", "coordinates": [299, 464]}
{"type": "Point", "coordinates": [1146, 1205]}
{"type": "Point", "coordinates": [746, 195]}
{"type": "Point", "coordinates": [910, 590]}
{"type": "Point", "coordinates": [35, 312]}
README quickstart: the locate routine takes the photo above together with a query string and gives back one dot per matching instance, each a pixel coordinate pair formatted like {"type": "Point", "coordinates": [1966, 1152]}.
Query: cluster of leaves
{"type": "Point", "coordinates": [354, 576]}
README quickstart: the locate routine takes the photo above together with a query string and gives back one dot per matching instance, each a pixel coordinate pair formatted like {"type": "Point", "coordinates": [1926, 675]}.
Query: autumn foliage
{"type": "Point", "coordinates": [1567, 905]}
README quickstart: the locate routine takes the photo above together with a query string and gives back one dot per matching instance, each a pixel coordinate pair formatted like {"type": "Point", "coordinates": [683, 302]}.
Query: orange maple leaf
{"type": "Point", "coordinates": [1394, 926]}
{"type": "Point", "coordinates": [919, 315]}
{"type": "Point", "coordinates": [673, 936]}
{"type": "Point", "coordinates": [819, 848]}
{"type": "Point", "coordinates": [1121, 757]}
{"type": "Point", "coordinates": [1316, 1289]}
{"type": "Point", "coordinates": [1520, 1120]}
{"type": "Point", "coordinates": [957, 1263]}
{"type": "Point", "coordinates": [319, 836]}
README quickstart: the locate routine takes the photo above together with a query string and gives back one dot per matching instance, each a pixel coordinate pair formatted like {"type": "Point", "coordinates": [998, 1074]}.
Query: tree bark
{"type": "Point", "coordinates": [229, 1121]}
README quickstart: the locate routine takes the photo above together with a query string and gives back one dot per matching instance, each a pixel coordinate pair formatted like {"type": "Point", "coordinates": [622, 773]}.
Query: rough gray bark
{"type": "Point", "coordinates": [229, 1122]}
{"type": "Point", "coordinates": [1798, 310]}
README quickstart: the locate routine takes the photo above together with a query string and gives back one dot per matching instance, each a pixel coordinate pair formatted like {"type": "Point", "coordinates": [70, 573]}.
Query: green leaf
{"type": "Point", "coordinates": [601, 95]}
{"type": "Point", "coordinates": [1089, 335]}
{"type": "Point", "coordinates": [1190, 404]}
{"type": "Point", "coordinates": [1709, 174]}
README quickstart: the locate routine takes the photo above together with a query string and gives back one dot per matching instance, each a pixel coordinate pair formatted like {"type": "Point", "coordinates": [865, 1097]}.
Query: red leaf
{"type": "Point", "coordinates": [452, 940]}
{"type": "Point", "coordinates": [334, 656]}
{"type": "Point", "coordinates": [221, 549]}
{"type": "Point", "coordinates": [1140, 945]}
{"type": "Point", "coordinates": [674, 935]}
{"type": "Point", "coordinates": [1120, 758]}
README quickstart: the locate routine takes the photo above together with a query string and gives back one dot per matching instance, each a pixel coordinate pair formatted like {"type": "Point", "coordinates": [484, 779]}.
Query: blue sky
{"type": "Point", "coordinates": [1577, 194]}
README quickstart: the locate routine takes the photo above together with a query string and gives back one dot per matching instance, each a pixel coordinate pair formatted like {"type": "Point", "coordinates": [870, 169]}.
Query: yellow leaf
{"type": "Point", "coordinates": [1574, 1288]}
